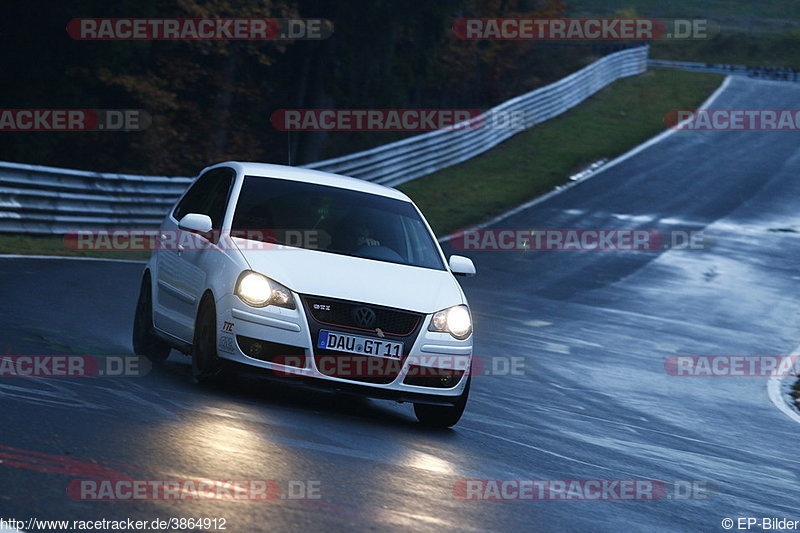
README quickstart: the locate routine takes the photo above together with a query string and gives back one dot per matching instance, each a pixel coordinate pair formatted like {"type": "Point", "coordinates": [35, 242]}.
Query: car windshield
{"type": "Point", "coordinates": [334, 220]}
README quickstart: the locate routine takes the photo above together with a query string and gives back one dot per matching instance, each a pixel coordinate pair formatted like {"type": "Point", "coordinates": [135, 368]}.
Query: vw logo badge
{"type": "Point", "coordinates": [364, 317]}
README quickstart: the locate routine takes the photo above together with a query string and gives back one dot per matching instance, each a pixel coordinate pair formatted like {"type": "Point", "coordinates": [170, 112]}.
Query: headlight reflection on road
{"type": "Point", "coordinates": [420, 497]}
{"type": "Point", "coordinates": [429, 462]}
{"type": "Point", "coordinates": [229, 445]}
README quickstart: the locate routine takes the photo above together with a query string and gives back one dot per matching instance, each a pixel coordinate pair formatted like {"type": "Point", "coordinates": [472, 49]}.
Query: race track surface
{"type": "Point", "coordinates": [595, 402]}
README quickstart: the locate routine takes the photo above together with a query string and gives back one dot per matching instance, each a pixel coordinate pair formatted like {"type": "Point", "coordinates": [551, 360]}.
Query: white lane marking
{"type": "Point", "coordinates": [73, 258]}
{"type": "Point", "coordinates": [774, 389]}
{"type": "Point", "coordinates": [641, 219]}
{"type": "Point", "coordinates": [627, 155]}
{"type": "Point", "coordinates": [538, 323]}
{"type": "Point", "coordinates": [557, 348]}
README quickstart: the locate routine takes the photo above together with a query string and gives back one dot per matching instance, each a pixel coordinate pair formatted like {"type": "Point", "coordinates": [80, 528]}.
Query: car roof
{"type": "Point", "coordinates": [268, 170]}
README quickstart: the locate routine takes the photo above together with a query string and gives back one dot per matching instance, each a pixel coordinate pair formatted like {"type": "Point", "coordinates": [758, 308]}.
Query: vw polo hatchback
{"type": "Point", "coordinates": [311, 276]}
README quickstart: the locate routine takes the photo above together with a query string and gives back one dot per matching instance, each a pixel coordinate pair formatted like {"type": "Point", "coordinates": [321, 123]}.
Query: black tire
{"type": "Point", "coordinates": [443, 416]}
{"type": "Point", "coordinates": [207, 367]}
{"type": "Point", "coordinates": [145, 341]}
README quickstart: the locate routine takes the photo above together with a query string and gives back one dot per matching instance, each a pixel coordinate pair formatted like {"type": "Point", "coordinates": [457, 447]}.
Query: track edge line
{"type": "Point", "coordinates": [774, 390]}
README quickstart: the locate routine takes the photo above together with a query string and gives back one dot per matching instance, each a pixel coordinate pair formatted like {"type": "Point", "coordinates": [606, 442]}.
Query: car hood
{"type": "Point", "coordinates": [332, 275]}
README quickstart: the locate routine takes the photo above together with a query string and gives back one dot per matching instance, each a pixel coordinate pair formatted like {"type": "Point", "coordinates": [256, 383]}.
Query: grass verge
{"type": "Point", "coordinates": [533, 162]}
{"type": "Point", "coordinates": [55, 245]}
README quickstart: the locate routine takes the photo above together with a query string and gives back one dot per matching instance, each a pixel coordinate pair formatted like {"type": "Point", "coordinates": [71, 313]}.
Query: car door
{"type": "Point", "coordinates": [181, 280]}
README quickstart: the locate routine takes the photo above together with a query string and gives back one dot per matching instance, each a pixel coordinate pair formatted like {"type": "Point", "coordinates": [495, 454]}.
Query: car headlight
{"type": "Point", "coordinates": [454, 320]}
{"type": "Point", "coordinates": [259, 291]}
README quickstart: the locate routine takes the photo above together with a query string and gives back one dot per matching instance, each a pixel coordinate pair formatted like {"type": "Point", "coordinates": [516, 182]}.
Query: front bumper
{"type": "Point", "coordinates": [428, 354]}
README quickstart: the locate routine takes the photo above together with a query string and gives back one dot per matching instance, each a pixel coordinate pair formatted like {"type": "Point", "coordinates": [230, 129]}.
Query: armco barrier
{"type": "Point", "coordinates": [47, 200]}
{"type": "Point", "coordinates": [420, 155]}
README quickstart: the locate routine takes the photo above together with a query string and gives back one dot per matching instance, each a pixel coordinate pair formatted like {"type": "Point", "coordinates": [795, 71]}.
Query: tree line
{"type": "Point", "coordinates": [212, 100]}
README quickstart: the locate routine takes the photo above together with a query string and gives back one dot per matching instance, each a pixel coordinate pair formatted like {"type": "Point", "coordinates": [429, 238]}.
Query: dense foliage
{"type": "Point", "coordinates": [211, 100]}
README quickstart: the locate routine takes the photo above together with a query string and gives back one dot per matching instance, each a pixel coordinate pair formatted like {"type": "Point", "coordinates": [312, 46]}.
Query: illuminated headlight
{"type": "Point", "coordinates": [454, 320]}
{"type": "Point", "coordinates": [259, 291]}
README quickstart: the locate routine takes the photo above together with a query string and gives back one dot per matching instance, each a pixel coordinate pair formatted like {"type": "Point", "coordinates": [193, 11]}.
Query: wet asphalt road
{"type": "Point", "coordinates": [594, 401]}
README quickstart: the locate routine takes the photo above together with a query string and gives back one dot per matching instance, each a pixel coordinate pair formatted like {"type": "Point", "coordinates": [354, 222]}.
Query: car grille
{"type": "Point", "coordinates": [341, 315]}
{"type": "Point", "coordinates": [362, 317]}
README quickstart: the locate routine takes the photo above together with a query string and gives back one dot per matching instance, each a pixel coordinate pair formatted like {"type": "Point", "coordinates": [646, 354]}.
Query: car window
{"type": "Point", "coordinates": [208, 196]}
{"type": "Point", "coordinates": [337, 220]}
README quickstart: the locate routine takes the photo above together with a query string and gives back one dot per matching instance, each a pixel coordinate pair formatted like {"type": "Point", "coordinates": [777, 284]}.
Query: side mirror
{"type": "Point", "coordinates": [196, 223]}
{"type": "Point", "coordinates": [462, 266]}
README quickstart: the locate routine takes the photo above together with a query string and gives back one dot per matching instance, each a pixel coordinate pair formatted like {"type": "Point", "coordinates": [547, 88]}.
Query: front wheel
{"type": "Point", "coordinates": [207, 367]}
{"type": "Point", "coordinates": [443, 416]}
{"type": "Point", "coordinates": [145, 341]}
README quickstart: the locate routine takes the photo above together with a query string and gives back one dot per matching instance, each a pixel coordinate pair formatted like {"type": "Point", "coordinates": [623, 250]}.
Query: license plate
{"type": "Point", "coordinates": [329, 340]}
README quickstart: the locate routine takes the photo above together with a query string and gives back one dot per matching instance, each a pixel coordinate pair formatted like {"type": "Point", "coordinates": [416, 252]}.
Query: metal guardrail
{"type": "Point", "coordinates": [401, 161]}
{"type": "Point", "coordinates": [764, 73]}
{"type": "Point", "coordinates": [48, 200]}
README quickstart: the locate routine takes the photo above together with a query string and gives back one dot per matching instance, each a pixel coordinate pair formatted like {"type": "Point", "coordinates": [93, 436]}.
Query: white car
{"type": "Point", "coordinates": [314, 277]}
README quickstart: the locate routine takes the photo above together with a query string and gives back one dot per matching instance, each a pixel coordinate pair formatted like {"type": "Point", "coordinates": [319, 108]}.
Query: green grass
{"type": "Point", "coordinates": [533, 162]}
{"type": "Point", "coordinates": [48, 245]}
